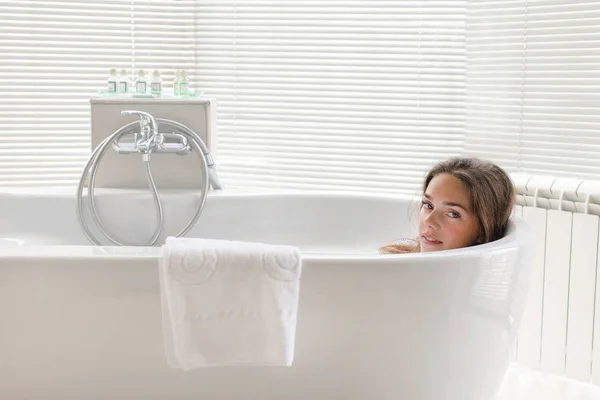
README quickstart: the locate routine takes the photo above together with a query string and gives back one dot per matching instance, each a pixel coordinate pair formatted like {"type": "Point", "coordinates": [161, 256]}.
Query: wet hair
{"type": "Point", "coordinates": [492, 195]}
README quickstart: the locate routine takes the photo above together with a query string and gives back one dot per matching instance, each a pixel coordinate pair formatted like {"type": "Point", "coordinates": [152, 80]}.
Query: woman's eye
{"type": "Point", "coordinates": [427, 205]}
{"type": "Point", "coordinates": [454, 214]}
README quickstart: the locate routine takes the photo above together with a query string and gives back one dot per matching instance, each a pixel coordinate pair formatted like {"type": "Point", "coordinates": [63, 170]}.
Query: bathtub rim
{"type": "Point", "coordinates": [114, 253]}
{"type": "Point", "coordinates": [518, 231]}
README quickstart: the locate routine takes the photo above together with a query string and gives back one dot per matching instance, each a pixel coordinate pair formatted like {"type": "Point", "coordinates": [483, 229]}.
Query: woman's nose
{"type": "Point", "coordinates": [432, 220]}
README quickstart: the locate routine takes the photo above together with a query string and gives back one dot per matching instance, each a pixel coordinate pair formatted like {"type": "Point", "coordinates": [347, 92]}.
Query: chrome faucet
{"type": "Point", "coordinates": [148, 130]}
{"type": "Point", "coordinates": [150, 140]}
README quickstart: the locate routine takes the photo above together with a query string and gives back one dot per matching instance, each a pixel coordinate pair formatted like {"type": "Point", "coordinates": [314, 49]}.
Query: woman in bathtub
{"type": "Point", "coordinates": [466, 201]}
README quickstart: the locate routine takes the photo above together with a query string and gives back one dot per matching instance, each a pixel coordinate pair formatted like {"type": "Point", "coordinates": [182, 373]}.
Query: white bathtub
{"type": "Point", "coordinates": [82, 322]}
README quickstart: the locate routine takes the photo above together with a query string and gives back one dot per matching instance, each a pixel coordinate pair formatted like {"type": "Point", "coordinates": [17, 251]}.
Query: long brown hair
{"type": "Point", "coordinates": [490, 189]}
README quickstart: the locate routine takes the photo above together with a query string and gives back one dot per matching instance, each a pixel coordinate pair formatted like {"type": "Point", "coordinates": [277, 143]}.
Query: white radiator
{"type": "Point", "coordinates": [561, 323]}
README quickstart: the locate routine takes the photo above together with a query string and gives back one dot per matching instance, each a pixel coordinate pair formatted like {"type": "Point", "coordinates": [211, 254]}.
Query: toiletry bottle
{"type": "Point", "coordinates": [184, 84]}
{"type": "Point", "coordinates": [176, 83]}
{"type": "Point", "coordinates": [112, 81]}
{"type": "Point", "coordinates": [123, 82]}
{"type": "Point", "coordinates": [141, 82]}
{"type": "Point", "coordinates": [156, 83]}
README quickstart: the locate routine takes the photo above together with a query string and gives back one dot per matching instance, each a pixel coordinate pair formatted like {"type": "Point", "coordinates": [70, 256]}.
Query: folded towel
{"type": "Point", "coordinates": [228, 303]}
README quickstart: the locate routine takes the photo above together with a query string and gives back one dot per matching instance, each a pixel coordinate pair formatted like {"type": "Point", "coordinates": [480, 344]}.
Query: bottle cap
{"type": "Point", "coordinates": [141, 73]}
{"type": "Point", "coordinates": [113, 71]}
{"type": "Point", "coordinates": [183, 73]}
{"type": "Point", "coordinates": [156, 73]}
{"type": "Point", "coordinates": [123, 72]}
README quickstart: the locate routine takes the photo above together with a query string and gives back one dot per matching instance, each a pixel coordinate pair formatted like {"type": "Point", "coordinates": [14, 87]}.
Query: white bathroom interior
{"type": "Point", "coordinates": [294, 122]}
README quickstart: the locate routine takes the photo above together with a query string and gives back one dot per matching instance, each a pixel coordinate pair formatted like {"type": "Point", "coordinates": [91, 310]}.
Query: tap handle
{"type": "Point", "coordinates": [147, 121]}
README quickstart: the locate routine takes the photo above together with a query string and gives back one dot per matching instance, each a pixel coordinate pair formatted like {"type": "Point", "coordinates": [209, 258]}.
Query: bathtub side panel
{"type": "Point", "coordinates": [92, 330]}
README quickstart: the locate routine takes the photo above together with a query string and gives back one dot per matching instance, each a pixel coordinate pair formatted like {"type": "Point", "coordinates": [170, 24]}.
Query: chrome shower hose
{"type": "Point", "coordinates": [91, 167]}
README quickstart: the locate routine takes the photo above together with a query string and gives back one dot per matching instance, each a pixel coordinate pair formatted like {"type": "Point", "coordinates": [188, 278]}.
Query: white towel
{"type": "Point", "coordinates": [228, 303]}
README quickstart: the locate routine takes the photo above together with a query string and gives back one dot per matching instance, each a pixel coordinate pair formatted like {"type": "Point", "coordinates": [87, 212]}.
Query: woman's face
{"type": "Point", "coordinates": [446, 219]}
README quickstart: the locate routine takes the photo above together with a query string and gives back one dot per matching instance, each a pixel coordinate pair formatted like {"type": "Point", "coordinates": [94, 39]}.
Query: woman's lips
{"type": "Point", "coordinates": [430, 240]}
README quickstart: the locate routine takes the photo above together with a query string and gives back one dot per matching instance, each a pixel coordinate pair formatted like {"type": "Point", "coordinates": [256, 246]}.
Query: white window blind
{"type": "Point", "coordinates": [346, 95]}
{"type": "Point", "coordinates": [55, 55]}
{"type": "Point", "coordinates": [533, 85]}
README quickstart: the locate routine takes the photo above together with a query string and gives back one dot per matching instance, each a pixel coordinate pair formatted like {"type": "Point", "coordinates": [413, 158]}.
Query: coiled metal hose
{"type": "Point", "coordinates": [208, 175]}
